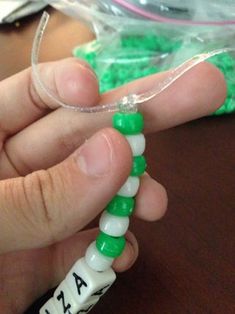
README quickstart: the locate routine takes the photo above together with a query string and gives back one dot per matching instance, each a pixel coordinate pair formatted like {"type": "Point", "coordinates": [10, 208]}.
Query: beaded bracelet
{"type": "Point", "coordinates": [92, 275]}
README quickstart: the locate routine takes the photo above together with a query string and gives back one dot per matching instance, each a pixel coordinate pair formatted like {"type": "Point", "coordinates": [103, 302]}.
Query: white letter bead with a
{"type": "Point", "coordinates": [130, 187]}
{"type": "Point", "coordinates": [87, 284]}
{"type": "Point", "coordinates": [65, 302]}
{"type": "Point", "coordinates": [113, 225]}
{"type": "Point", "coordinates": [96, 260]}
{"type": "Point", "coordinates": [137, 143]}
{"type": "Point", "coordinates": [48, 308]}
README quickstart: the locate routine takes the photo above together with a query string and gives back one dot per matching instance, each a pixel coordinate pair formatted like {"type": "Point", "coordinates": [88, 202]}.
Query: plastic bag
{"type": "Point", "coordinates": [137, 38]}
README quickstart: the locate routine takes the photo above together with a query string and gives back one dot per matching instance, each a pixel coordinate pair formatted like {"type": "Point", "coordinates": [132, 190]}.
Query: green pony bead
{"type": "Point", "coordinates": [138, 166]}
{"type": "Point", "coordinates": [110, 246]}
{"type": "Point", "coordinates": [128, 123]}
{"type": "Point", "coordinates": [121, 206]}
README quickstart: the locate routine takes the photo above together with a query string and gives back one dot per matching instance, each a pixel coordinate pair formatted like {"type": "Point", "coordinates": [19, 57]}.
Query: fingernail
{"type": "Point", "coordinates": [95, 156]}
{"type": "Point", "coordinates": [75, 81]}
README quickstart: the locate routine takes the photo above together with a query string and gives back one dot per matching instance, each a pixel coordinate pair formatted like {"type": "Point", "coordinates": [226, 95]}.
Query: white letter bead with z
{"type": "Point", "coordinates": [137, 143]}
{"type": "Point", "coordinates": [48, 308]}
{"type": "Point", "coordinates": [65, 302]}
{"type": "Point", "coordinates": [87, 284]}
{"type": "Point", "coordinates": [96, 260]}
{"type": "Point", "coordinates": [130, 187]}
{"type": "Point", "coordinates": [113, 225]}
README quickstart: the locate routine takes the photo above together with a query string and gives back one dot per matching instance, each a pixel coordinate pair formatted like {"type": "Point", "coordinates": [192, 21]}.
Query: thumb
{"type": "Point", "coordinates": [50, 205]}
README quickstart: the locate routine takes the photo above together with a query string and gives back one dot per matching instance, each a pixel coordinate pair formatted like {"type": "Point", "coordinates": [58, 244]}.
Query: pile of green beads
{"type": "Point", "coordinates": [133, 58]}
{"type": "Point", "coordinates": [114, 221]}
{"type": "Point", "coordinates": [136, 56]}
{"type": "Point", "coordinates": [226, 64]}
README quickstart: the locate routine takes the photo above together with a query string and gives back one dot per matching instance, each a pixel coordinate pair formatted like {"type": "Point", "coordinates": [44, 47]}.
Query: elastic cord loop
{"type": "Point", "coordinates": [128, 103]}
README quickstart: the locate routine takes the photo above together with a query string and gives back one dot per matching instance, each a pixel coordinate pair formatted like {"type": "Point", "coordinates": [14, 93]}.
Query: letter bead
{"type": "Point", "coordinates": [66, 304]}
{"type": "Point", "coordinates": [48, 308]}
{"type": "Point", "coordinates": [86, 284]}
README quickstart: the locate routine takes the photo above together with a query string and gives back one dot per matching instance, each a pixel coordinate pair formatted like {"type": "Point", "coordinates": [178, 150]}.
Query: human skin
{"type": "Point", "coordinates": [48, 171]}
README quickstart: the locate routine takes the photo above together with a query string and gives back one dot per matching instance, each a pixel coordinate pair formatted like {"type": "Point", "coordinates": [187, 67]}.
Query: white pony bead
{"type": "Point", "coordinates": [87, 284]}
{"type": "Point", "coordinates": [137, 143]}
{"type": "Point", "coordinates": [113, 225]}
{"type": "Point", "coordinates": [130, 187]}
{"type": "Point", "coordinates": [96, 260]}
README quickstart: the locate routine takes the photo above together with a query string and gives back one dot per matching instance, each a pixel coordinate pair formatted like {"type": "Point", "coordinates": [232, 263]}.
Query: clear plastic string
{"type": "Point", "coordinates": [127, 103]}
{"type": "Point", "coordinates": [177, 72]}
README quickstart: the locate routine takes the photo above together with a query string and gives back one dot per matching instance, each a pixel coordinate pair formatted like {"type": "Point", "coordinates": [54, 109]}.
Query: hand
{"type": "Point", "coordinates": [52, 185]}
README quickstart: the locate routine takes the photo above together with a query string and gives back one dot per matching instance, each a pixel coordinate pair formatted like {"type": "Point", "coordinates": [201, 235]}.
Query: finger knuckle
{"type": "Point", "coordinates": [41, 213]}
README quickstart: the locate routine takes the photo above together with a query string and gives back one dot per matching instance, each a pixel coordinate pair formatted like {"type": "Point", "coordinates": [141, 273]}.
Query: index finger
{"type": "Point", "coordinates": [199, 92]}
{"type": "Point", "coordinates": [21, 102]}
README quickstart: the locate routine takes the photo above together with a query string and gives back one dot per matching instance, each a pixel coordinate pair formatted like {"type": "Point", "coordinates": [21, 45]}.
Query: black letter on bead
{"type": "Point", "coordinates": [101, 291]}
{"type": "Point", "coordinates": [47, 312]}
{"type": "Point", "coordinates": [65, 307]}
{"type": "Point", "coordinates": [85, 311]}
{"type": "Point", "coordinates": [79, 282]}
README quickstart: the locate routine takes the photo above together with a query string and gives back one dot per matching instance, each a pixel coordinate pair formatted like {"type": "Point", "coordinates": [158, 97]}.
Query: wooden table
{"type": "Point", "coordinates": [186, 262]}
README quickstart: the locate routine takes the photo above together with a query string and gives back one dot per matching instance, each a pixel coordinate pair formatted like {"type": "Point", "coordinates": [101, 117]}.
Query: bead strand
{"type": "Point", "coordinates": [92, 275]}
{"type": "Point", "coordinates": [114, 222]}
